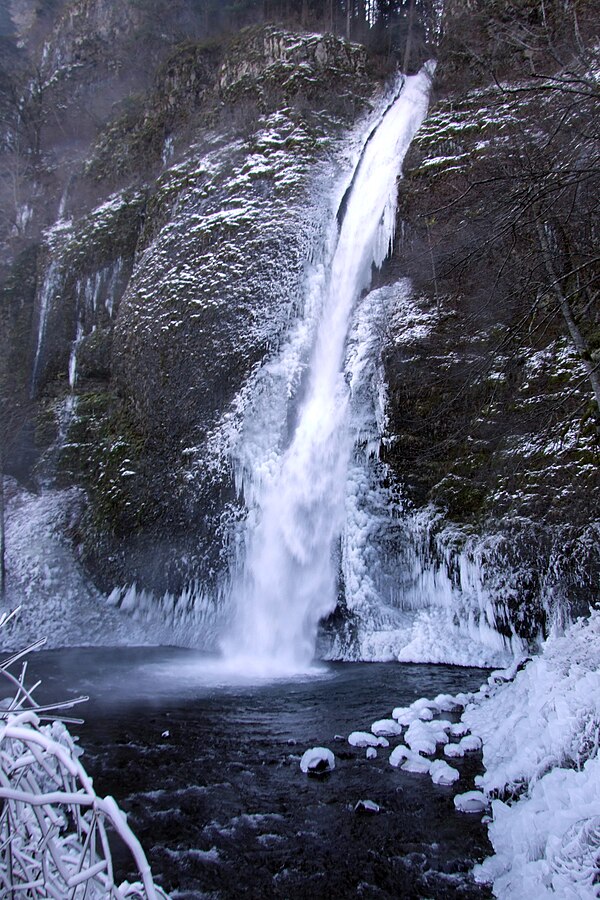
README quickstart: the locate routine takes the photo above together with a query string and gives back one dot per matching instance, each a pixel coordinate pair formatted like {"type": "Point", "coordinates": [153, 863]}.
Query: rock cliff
{"type": "Point", "coordinates": [161, 253]}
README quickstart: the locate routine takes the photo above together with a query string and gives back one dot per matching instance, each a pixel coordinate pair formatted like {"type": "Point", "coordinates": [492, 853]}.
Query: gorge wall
{"type": "Point", "coordinates": [159, 250]}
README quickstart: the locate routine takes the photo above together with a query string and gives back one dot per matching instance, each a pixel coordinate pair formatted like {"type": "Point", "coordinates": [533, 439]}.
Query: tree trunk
{"type": "Point", "coordinates": [567, 314]}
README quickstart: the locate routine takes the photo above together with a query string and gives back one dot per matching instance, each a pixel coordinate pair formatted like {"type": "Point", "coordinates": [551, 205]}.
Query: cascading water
{"type": "Point", "coordinates": [288, 583]}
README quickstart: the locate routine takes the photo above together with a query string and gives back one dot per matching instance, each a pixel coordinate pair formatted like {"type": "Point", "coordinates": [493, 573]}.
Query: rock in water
{"type": "Point", "coordinates": [366, 808]}
{"type": "Point", "coordinates": [386, 728]}
{"type": "Point", "coordinates": [317, 761]}
{"type": "Point", "coordinates": [442, 773]}
{"type": "Point", "coordinates": [365, 739]}
{"type": "Point", "coordinates": [399, 754]}
{"type": "Point", "coordinates": [471, 743]}
{"type": "Point", "coordinates": [471, 802]}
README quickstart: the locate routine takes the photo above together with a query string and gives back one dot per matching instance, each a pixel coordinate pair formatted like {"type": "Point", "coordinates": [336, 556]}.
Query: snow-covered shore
{"type": "Point", "coordinates": [538, 724]}
{"type": "Point", "coordinates": [540, 734]}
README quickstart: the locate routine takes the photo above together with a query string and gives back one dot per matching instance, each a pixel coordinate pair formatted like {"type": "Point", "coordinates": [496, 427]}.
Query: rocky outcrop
{"type": "Point", "coordinates": [493, 425]}
{"type": "Point", "coordinates": [137, 320]}
{"type": "Point", "coordinates": [153, 308]}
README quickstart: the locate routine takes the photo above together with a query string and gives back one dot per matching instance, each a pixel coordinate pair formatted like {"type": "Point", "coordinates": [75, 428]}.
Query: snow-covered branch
{"type": "Point", "coordinates": [53, 826]}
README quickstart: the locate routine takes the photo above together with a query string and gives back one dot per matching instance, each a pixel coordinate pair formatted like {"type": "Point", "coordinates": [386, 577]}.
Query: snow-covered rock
{"type": "Point", "coordinates": [442, 773]}
{"type": "Point", "coordinates": [448, 703]}
{"type": "Point", "coordinates": [442, 725]}
{"type": "Point", "coordinates": [454, 751]}
{"type": "Point", "coordinates": [417, 765]}
{"type": "Point", "coordinates": [317, 761]}
{"type": "Point", "coordinates": [471, 743]}
{"type": "Point", "coordinates": [421, 740]}
{"type": "Point", "coordinates": [386, 728]}
{"type": "Point", "coordinates": [404, 715]}
{"type": "Point", "coordinates": [366, 739]}
{"type": "Point", "coordinates": [424, 737]}
{"type": "Point", "coordinates": [471, 802]}
{"type": "Point", "coordinates": [459, 729]}
{"type": "Point", "coordinates": [398, 755]}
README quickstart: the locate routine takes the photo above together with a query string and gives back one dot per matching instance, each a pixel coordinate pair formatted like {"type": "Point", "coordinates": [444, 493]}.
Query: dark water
{"type": "Point", "coordinates": [209, 776]}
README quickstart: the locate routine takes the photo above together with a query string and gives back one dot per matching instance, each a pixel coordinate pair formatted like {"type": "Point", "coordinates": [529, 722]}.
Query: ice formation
{"type": "Point", "coordinates": [288, 583]}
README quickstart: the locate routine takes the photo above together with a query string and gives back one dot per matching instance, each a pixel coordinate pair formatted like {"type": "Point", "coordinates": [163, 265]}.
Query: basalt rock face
{"type": "Point", "coordinates": [171, 270]}
{"type": "Point", "coordinates": [150, 280]}
{"type": "Point", "coordinates": [493, 425]}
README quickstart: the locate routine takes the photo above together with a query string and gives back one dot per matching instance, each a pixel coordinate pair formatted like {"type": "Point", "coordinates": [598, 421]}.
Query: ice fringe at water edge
{"type": "Point", "coordinates": [59, 600]}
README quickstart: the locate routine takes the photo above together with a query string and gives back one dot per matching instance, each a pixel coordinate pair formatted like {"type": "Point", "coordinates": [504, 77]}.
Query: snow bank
{"type": "Point", "coordinates": [541, 734]}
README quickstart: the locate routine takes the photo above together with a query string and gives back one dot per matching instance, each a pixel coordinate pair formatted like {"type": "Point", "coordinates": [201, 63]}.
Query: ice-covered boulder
{"type": "Point", "coordinates": [471, 802]}
{"type": "Point", "coordinates": [448, 703]}
{"type": "Point", "coordinates": [424, 703]}
{"type": "Point", "coordinates": [421, 741]}
{"type": "Point", "coordinates": [442, 773]}
{"type": "Point", "coordinates": [471, 743]}
{"type": "Point", "coordinates": [417, 765]}
{"type": "Point", "coordinates": [317, 761]}
{"type": "Point", "coordinates": [438, 733]}
{"type": "Point", "coordinates": [399, 754]}
{"type": "Point", "coordinates": [423, 737]}
{"type": "Point", "coordinates": [366, 739]}
{"type": "Point", "coordinates": [454, 751]}
{"type": "Point", "coordinates": [442, 725]}
{"type": "Point", "coordinates": [459, 729]}
{"type": "Point", "coordinates": [371, 753]}
{"type": "Point", "coordinates": [386, 728]}
{"type": "Point", "coordinates": [404, 715]}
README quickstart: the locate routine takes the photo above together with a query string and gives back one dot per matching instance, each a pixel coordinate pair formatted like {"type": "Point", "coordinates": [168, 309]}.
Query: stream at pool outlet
{"type": "Point", "coordinates": [207, 768]}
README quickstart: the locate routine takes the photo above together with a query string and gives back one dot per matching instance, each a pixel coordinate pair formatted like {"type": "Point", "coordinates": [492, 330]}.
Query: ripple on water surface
{"type": "Point", "coordinates": [207, 768]}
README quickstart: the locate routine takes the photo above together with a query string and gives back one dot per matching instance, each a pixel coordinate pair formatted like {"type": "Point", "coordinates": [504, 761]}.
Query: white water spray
{"type": "Point", "coordinates": [289, 581]}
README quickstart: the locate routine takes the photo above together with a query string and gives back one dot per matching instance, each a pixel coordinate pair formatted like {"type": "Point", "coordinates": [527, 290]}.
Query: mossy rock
{"type": "Point", "coordinates": [461, 497]}
{"type": "Point", "coordinates": [93, 354]}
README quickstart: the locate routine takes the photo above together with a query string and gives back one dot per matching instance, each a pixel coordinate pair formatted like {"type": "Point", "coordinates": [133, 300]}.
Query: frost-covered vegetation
{"type": "Point", "coordinates": [54, 827]}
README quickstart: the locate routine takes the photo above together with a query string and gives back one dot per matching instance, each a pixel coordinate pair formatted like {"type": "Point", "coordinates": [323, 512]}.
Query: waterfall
{"type": "Point", "coordinates": [288, 582]}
